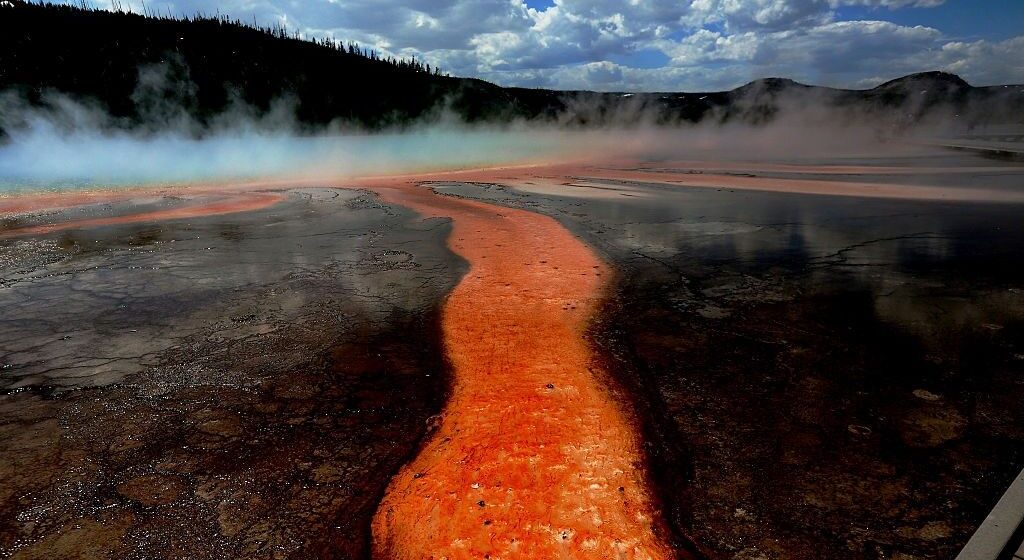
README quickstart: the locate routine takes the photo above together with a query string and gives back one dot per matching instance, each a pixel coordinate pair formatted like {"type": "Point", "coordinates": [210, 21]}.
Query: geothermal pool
{"type": "Point", "coordinates": [787, 357]}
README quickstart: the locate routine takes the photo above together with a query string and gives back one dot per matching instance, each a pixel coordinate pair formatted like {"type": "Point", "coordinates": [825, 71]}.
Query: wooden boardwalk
{"type": "Point", "coordinates": [1001, 535]}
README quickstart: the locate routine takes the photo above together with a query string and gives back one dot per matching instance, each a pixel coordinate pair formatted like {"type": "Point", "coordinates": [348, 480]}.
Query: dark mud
{"type": "Point", "coordinates": [239, 386]}
{"type": "Point", "coordinates": [817, 376]}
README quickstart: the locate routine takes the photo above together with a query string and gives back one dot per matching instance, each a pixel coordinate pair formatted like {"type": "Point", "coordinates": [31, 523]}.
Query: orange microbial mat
{"type": "Point", "coordinates": [532, 457]}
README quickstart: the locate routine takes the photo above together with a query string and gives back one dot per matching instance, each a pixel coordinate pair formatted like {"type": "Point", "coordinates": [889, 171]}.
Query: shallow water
{"type": "Point", "coordinates": [46, 159]}
{"type": "Point", "coordinates": [819, 374]}
{"type": "Point", "coordinates": [814, 374]}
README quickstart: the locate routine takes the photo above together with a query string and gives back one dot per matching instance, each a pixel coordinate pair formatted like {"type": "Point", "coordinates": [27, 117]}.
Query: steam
{"type": "Point", "coordinates": [65, 143]}
{"type": "Point", "coordinates": [71, 144]}
{"type": "Point", "coordinates": [44, 155]}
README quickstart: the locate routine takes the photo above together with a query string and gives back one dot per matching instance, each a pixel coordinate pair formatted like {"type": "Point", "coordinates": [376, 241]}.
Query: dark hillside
{"type": "Point", "coordinates": [144, 70]}
{"type": "Point", "coordinates": [99, 54]}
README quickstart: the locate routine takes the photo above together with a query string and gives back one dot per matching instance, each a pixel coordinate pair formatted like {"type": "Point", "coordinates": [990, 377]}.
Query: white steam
{"type": "Point", "coordinates": [44, 156]}
{"type": "Point", "coordinates": [65, 143]}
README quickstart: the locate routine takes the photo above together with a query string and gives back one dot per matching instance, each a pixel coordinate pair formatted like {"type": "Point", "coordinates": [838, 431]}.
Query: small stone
{"type": "Point", "coordinates": [858, 429]}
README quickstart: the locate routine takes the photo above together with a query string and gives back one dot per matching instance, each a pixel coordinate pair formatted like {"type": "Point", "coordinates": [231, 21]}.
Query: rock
{"type": "Point", "coordinates": [152, 489]}
{"type": "Point", "coordinates": [926, 395]}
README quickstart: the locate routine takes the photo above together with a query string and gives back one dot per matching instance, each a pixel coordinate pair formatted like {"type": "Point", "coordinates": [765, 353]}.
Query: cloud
{"type": "Point", "coordinates": [891, 4]}
{"type": "Point", "coordinates": [983, 61]}
{"type": "Point", "coordinates": [765, 14]}
{"type": "Point", "coordinates": [709, 44]}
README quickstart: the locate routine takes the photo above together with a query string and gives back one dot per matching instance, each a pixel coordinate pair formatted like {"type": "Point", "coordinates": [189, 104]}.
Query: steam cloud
{"type": "Point", "coordinates": [66, 143]}
{"type": "Point", "coordinates": [70, 144]}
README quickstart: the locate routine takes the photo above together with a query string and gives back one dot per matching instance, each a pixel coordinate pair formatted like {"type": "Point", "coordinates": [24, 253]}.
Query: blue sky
{"type": "Point", "coordinates": [666, 45]}
{"type": "Point", "coordinates": [965, 19]}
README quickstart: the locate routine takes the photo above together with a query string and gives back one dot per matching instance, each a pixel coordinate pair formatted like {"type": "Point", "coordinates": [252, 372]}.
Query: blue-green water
{"type": "Point", "coordinates": [43, 160]}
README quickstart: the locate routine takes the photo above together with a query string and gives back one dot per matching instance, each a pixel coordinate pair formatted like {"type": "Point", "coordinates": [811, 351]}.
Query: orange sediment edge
{"type": "Point", "coordinates": [532, 457]}
{"type": "Point", "coordinates": [232, 204]}
{"type": "Point", "coordinates": [14, 204]}
{"type": "Point", "coordinates": [579, 177]}
{"type": "Point", "coordinates": [815, 169]}
{"type": "Point", "coordinates": [17, 203]}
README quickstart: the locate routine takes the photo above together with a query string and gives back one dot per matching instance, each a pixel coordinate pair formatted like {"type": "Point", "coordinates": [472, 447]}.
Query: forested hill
{"type": "Point", "coordinates": [99, 54]}
{"type": "Point", "coordinates": [131, 65]}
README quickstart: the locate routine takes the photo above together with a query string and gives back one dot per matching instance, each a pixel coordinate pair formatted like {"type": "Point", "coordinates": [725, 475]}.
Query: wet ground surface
{"type": "Point", "coordinates": [532, 457]}
{"type": "Point", "coordinates": [819, 376]}
{"type": "Point", "coordinates": [816, 375]}
{"type": "Point", "coordinates": [238, 386]}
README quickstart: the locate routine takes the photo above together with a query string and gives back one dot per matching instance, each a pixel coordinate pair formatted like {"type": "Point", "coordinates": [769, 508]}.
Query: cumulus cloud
{"type": "Point", "coordinates": [596, 44]}
{"type": "Point", "coordinates": [891, 4]}
{"type": "Point", "coordinates": [765, 14]}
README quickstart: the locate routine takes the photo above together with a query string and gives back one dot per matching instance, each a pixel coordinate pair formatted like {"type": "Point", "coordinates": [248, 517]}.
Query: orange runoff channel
{"type": "Point", "coordinates": [532, 457]}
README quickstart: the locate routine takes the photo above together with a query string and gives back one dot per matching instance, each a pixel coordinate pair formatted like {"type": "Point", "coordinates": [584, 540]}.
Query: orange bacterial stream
{"type": "Point", "coordinates": [532, 457]}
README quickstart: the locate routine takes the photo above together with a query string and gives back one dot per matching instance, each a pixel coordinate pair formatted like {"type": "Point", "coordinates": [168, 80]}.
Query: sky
{"type": "Point", "coordinates": [663, 45]}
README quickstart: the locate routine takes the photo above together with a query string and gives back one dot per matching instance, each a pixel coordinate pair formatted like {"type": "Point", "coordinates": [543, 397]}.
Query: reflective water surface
{"type": "Point", "coordinates": [820, 375]}
{"type": "Point", "coordinates": [834, 370]}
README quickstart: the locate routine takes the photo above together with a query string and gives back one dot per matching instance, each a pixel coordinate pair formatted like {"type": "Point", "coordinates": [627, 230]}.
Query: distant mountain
{"type": "Point", "coordinates": [927, 80]}
{"type": "Point", "coordinates": [145, 70]}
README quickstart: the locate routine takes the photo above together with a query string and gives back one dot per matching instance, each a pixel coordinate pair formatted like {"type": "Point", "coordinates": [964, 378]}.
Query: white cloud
{"type": "Point", "coordinates": [891, 4]}
{"type": "Point", "coordinates": [765, 14]}
{"type": "Point", "coordinates": [984, 62]}
{"type": "Point", "coordinates": [709, 44]}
